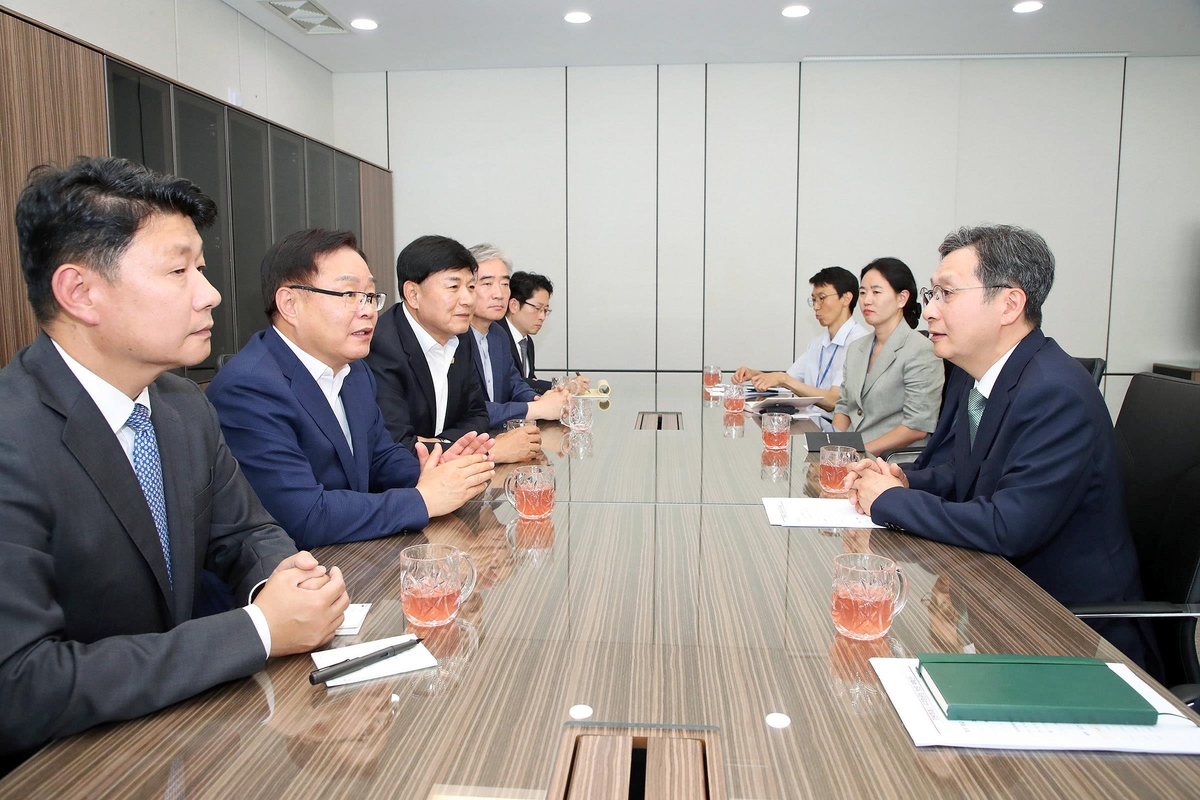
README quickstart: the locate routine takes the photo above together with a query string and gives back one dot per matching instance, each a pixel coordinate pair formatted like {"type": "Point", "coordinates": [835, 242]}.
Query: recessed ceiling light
{"type": "Point", "coordinates": [1027, 6]}
{"type": "Point", "coordinates": [578, 17]}
{"type": "Point", "coordinates": [777, 720]}
{"type": "Point", "coordinates": [364, 24]}
{"type": "Point", "coordinates": [796, 11]}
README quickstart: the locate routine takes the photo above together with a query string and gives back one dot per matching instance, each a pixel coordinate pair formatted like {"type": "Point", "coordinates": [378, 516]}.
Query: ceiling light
{"type": "Point", "coordinates": [777, 720]}
{"type": "Point", "coordinates": [796, 11]}
{"type": "Point", "coordinates": [578, 17]}
{"type": "Point", "coordinates": [1027, 6]}
{"type": "Point", "coordinates": [364, 24]}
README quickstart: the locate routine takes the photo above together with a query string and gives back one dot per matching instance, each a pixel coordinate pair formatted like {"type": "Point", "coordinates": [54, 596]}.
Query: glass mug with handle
{"type": "Point", "coordinates": [435, 580]}
{"type": "Point", "coordinates": [530, 490]}
{"type": "Point", "coordinates": [577, 415]}
{"type": "Point", "coordinates": [868, 592]}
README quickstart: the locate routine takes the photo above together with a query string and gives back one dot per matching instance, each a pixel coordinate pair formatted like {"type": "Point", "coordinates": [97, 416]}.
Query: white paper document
{"type": "Point", "coordinates": [815, 512]}
{"type": "Point", "coordinates": [353, 619]}
{"type": "Point", "coordinates": [928, 726]}
{"type": "Point", "coordinates": [408, 661]}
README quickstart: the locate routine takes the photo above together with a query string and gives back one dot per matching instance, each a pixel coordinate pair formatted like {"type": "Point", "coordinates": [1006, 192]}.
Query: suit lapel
{"type": "Point", "coordinates": [174, 452]}
{"type": "Point", "coordinates": [417, 362]}
{"type": "Point", "coordinates": [359, 416]}
{"type": "Point", "coordinates": [886, 357]}
{"type": "Point", "coordinates": [87, 435]}
{"type": "Point", "coordinates": [309, 394]}
{"type": "Point", "coordinates": [995, 410]}
{"type": "Point", "coordinates": [499, 378]}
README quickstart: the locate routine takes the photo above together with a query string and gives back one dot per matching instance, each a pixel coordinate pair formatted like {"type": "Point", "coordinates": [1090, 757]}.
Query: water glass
{"type": "Point", "coordinates": [577, 415]}
{"type": "Point", "coordinates": [435, 580]}
{"type": "Point", "coordinates": [776, 430]}
{"type": "Point", "coordinates": [530, 490]}
{"type": "Point", "coordinates": [868, 592]}
{"type": "Point", "coordinates": [835, 466]}
{"type": "Point", "coordinates": [515, 424]}
{"type": "Point", "coordinates": [712, 376]}
{"type": "Point", "coordinates": [734, 397]}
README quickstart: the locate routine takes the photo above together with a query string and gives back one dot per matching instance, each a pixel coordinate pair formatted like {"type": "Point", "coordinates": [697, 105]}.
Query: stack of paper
{"type": "Point", "coordinates": [815, 512]}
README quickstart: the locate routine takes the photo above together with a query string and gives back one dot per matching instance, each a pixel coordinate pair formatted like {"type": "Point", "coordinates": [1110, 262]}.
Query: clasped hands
{"type": "Point", "coordinates": [869, 478]}
{"type": "Point", "coordinates": [303, 603]}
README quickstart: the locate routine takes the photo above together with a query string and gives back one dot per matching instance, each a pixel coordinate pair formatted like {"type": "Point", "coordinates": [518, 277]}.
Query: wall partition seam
{"type": "Point", "coordinates": [657, 175]}
{"type": "Point", "coordinates": [1112, 270]}
{"type": "Point", "coordinates": [704, 237]}
{"type": "Point", "coordinates": [567, 216]}
{"type": "Point", "coordinates": [796, 231]}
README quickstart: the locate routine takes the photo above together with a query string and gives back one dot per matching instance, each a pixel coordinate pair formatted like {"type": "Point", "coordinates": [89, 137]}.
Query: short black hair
{"type": "Point", "coordinates": [901, 279]}
{"type": "Point", "coordinates": [522, 285]}
{"type": "Point", "coordinates": [88, 213]}
{"type": "Point", "coordinates": [293, 259]}
{"type": "Point", "coordinates": [842, 280]}
{"type": "Point", "coordinates": [427, 255]}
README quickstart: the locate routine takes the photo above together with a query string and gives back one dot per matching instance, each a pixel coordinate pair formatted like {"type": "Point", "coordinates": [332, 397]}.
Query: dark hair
{"type": "Point", "coordinates": [842, 280]}
{"type": "Point", "coordinates": [901, 279]}
{"type": "Point", "coordinates": [522, 285]}
{"type": "Point", "coordinates": [293, 259]}
{"type": "Point", "coordinates": [88, 213]}
{"type": "Point", "coordinates": [429, 254]}
{"type": "Point", "coordinates": [1008, 256]}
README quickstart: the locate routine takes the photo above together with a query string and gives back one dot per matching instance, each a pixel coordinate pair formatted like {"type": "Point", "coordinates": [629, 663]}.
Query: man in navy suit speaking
{"type": "Point", "coordinates": [297, 406]}
{"type": "Point", "coordinates": [1027, 465]}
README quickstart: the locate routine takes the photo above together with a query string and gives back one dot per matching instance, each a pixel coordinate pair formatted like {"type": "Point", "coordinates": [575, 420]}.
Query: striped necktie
{"type": "Point", "coordinates": [525, 368]}
{"type": "Point", "coordinates": [148, 468]}
{"type": "Point", "coordinates": [975, 405]}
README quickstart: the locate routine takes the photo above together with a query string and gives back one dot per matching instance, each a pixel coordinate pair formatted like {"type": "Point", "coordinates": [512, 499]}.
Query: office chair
{"type": "Point", "coordinates": [1095, 366]}
{"type": "Point", "coordinates": [221, 359]}
{"type": "Point", "coordinates": [1158, 441]}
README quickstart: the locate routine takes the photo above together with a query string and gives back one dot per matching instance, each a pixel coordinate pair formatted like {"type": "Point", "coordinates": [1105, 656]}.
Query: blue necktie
{"type": "Point", "coordinates": [148, 468]}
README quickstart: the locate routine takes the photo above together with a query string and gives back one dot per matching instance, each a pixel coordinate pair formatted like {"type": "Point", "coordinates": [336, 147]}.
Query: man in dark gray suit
{"type": "Point", "coordinates": [116, 487]}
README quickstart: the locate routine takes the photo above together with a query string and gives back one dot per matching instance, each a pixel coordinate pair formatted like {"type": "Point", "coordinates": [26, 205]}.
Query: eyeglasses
{"type": "Point", "coordinates": [543, 310]}
{"type": "Point", "coordinates": [940, 294]}
{"type": "Point", "coordinates": [358, 299]}
{"type": "Point", "coordinates": [812, 301]}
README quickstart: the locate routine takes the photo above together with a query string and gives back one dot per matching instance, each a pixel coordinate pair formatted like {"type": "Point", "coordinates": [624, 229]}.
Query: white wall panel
{"type": "Point", "coordinates": [681, 216]}
{"type": "Point", "coordinates": [1115, 387]}
{"type": "Point", "coordinates": [612, 118]}
{"type": "Point", "coordinates": [1038, 147]}
{"type": "Point", "coordinates": [750, 200]}
{"type": "Point", "coordinates": [480, 155]}
{"type": "Point", "coordinates": [1156, 280]}
{"type": "Point", "coordinates": [360, 115]}
{"type": "Point", "coordinates": [878, 154]}
{"type": "Point", "coordinates": [208, 46]}
{"type": "Point", "coordinates": [299, 91]}
{"type": "Point", "coordinates": [252, 60]}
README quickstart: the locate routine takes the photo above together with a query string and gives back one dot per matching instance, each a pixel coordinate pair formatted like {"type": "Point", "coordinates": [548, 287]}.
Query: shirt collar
{"type": "Point", "coordinates": [114, 404]}
{"type": "Point", "coordinates": [843, 334]}
{"type": "Point", "coordinates": [512, 329]}
{"type": "Point", "coordinates": [315, 366]}
{"type": "Point", "coordinates": [988, 382]}
{"type": "Point", "coordinates": [480, 338]}
{"type": "Point", "coordinates": [427, 342]}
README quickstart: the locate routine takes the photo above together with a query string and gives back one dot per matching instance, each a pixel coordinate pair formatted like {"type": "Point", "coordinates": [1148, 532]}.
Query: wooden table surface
{"type": "Point", "coordinates": [657, 595]}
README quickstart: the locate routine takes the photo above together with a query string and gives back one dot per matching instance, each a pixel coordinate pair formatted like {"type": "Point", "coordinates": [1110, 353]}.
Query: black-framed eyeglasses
{"type": "Point", "coordinates": [358, 299]}
{"type": "Point", "coordinates": [939, 294]}
{"type": "Point", "coordinates": [538, 308]}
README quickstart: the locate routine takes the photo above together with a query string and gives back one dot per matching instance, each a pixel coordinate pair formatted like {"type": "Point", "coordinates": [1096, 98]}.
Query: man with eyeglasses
{"type": "Point", "coordinates": [528, 310]}
{"type": "Point", "coordinates": [297, 405]}
{"type": "Point", "coordinates": [1025, 459]}
{"type": "Point", "coordinates": [818, 373]}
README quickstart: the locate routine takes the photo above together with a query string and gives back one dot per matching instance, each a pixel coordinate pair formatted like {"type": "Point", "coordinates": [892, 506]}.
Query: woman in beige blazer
{"type": "Point", "coordinates": [892, 384]}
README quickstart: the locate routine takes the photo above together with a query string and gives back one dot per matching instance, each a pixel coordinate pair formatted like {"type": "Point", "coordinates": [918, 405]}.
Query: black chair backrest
{"type": "Point", "coordinates": [221, 359]}
{"type": "Point", "coordinates": [1095, 366]}
{"type": "Point", "coordinates": [1158, 441]}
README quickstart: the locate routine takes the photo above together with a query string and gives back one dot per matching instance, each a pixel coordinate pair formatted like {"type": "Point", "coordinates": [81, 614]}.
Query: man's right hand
{"type": "Point", "coordinates": [520, 445]}
{"type": "Point", "coordinates": [301, 619]}
{"type": "Point", "coordinates": [549, 406]}
{"type": "Point", "coordinates": [446, 486]}
{"type": "Point", "coordinates": [744, 374]}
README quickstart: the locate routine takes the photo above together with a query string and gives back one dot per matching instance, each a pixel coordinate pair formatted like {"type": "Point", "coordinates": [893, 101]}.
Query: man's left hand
{"type": "Point", "coordinates": [868, 479]}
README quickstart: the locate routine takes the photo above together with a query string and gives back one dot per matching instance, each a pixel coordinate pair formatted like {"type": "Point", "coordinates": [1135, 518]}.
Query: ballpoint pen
{"type": "Point", "coordinates": [354, 664]}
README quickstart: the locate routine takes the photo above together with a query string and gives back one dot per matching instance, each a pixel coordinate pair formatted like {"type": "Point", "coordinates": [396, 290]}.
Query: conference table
{"type": "Point", "coordinates": [656, 603]}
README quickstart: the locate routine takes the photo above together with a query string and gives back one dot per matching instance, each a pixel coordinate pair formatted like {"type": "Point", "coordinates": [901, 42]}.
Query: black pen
{"type": "Point", "coordinates": [352, 664]}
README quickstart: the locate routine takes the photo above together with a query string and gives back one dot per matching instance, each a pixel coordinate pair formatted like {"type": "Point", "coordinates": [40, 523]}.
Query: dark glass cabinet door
{"type": "Point", "coordinates": [347, 196]}
{"type": "Point", "coordinates": [289, 208]}
{"type": "Point", "coordinates": [139, 118]}
{"type": "Point", "coordinates": [201, 158]}
{"type": "Point", "coordinates": [250, 193]}
{"type": "Point", "coordinates": [319, 161]}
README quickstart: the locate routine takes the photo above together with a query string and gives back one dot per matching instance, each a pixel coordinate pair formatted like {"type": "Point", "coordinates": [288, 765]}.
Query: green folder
{"type": "Point", "coordinates": [1015, 688]}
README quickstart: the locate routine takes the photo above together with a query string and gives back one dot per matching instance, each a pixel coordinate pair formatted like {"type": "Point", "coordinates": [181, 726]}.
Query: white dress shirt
{"type": "Point", "coordinates": [439, 358]}
{"type": "Point", "coordinates": [518, 337]}
{"type": "Point", "coordinates": [328, 382]}
{"type": "Point", "coordinates": [822, 363]}
{"type": "Point", "coordinates": [115, 406]}
{"type": "Point", "coordinates": [485, 356]}
{"type": "Point", "coordinates": [988, 382]}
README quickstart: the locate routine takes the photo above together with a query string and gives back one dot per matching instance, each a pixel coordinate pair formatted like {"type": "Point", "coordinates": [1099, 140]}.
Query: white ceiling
{"type": "Point", "coordinates": [466, 34]}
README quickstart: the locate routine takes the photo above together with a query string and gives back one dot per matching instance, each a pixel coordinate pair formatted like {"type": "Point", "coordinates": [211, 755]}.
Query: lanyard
{"type": "Point", "coordinates": [823, 372]}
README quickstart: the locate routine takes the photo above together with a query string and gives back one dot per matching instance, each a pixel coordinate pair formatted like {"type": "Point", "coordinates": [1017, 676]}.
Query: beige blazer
{"type": "Point", "coordinates": [903, 387]}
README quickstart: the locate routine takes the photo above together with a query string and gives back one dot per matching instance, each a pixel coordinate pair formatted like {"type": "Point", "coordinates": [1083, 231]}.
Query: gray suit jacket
{"type": "Point", "coordinates": [90, 628]}
{"type": "Point", "coordinates": [904, 386]}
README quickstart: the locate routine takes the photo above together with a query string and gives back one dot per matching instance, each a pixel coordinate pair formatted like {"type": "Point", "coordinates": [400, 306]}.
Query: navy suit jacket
{"type": "Point", "coordinates": [404, 385]}
{"type": "Point", "coordinates": [283, 432]}
{"type": "Point", "coordinates": [539, 386]}
{"type": "Point", "coordinates": [1041, 487]}
{"type": "Point", "coordinates": [512, 393]}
